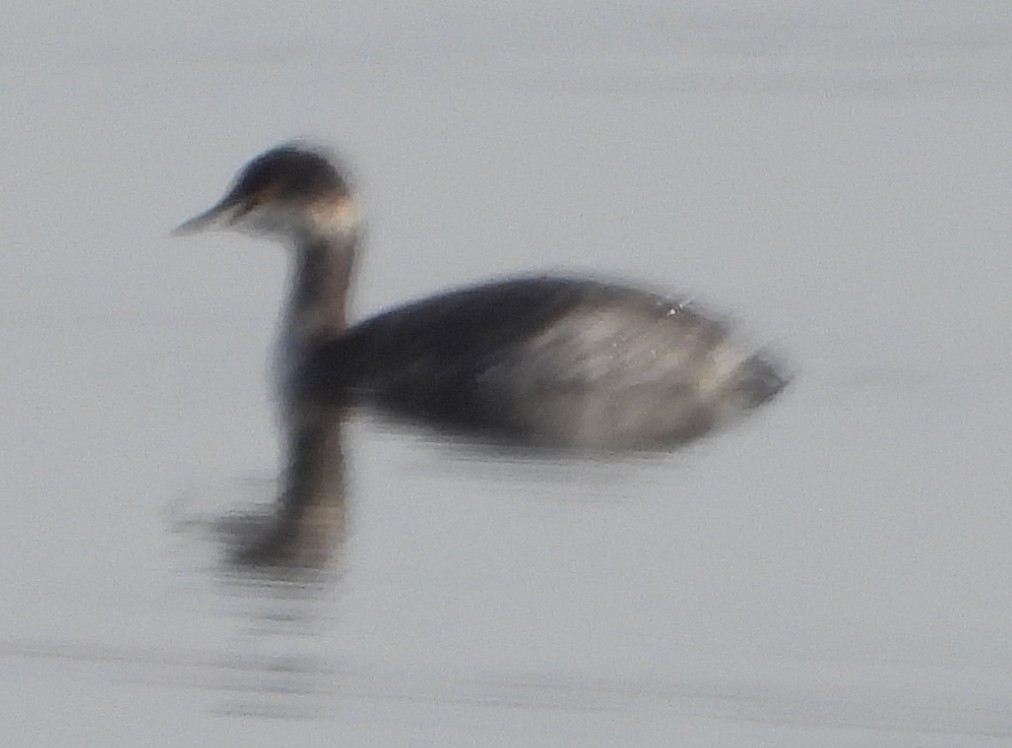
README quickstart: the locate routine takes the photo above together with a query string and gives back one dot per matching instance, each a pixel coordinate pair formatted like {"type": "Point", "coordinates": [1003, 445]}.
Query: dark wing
{"type": "Point", "coordinates": [428, 358]}
{"type": "Point", "coordinates": [551, 360]}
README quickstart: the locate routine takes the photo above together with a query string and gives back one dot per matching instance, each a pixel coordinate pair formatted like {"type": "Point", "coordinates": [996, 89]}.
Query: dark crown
{"type": "Point", "coordinates": [288, 172]}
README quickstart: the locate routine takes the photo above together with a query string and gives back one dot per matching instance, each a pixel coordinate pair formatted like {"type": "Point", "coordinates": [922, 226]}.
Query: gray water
{"type": "Point", "coordinates": [833, 572]}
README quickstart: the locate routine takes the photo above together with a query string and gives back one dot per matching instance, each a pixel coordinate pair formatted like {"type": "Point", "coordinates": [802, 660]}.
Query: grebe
{"type": "Point", "coordinates": [542, 361]}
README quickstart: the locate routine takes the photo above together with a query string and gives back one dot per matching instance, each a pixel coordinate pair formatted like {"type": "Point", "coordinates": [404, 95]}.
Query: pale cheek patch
{"type": "Point", "coordinates": [339, 217]}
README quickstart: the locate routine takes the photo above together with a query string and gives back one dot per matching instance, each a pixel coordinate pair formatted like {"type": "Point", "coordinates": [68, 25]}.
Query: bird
{"type": "Point", "coordinates": [548, 361]}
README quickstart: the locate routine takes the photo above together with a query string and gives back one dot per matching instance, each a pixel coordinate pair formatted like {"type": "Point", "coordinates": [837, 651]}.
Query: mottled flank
{"type": "Point", "coordinates": [550, 361]}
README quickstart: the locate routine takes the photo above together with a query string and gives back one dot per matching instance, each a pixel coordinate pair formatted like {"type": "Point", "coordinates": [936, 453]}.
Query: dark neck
{"type": "Point", "coordinates": [318, 305]}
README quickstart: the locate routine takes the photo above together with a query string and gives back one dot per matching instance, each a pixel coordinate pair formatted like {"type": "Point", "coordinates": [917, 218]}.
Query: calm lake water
{"type": "Point", "coordinates": [832, 572]}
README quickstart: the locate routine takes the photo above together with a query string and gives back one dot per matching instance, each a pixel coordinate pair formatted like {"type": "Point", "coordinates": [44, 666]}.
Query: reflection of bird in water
{"type": "Point", "coordinates": [555, 362]}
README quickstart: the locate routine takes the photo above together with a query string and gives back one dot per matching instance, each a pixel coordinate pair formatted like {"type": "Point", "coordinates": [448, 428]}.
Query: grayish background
{"type": "Point", "coordinates": [834, 572]}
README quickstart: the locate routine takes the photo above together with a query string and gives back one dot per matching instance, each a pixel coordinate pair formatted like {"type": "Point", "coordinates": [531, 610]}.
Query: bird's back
{"type": "Point", "coordinates": [554, 361]}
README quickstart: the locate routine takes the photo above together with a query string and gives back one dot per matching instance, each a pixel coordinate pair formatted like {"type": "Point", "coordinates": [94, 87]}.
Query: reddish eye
{"type": "Point", "coordinates": [257, 199]}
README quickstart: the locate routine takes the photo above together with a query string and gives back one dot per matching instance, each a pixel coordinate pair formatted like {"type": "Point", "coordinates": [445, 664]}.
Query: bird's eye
{"type": "Point", "coordinates": [256, 200]}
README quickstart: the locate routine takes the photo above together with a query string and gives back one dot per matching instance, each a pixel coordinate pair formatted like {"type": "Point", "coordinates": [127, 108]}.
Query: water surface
{"type": "Point", "coordinates": [832, 572]}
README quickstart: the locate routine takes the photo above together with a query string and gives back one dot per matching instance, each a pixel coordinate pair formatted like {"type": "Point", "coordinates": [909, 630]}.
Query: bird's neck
{"type": "Point", "coordinates": [318, 306]}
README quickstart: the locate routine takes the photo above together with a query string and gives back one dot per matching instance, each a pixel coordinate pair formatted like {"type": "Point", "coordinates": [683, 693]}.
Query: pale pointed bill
{"type": "Point", "coordinates": [219, 216]}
